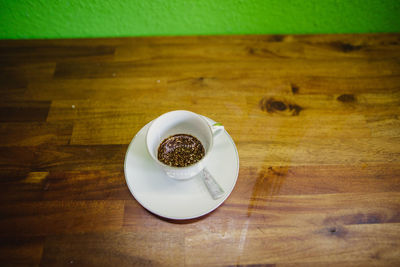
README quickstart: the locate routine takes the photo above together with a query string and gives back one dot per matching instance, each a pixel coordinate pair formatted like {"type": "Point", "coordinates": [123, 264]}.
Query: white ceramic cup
{"type": "Point", "coordinates": [181, 122]}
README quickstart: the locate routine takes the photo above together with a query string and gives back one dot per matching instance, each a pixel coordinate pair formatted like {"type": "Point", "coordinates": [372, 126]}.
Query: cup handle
{"type": "Point", "coordinates": [217, 128]}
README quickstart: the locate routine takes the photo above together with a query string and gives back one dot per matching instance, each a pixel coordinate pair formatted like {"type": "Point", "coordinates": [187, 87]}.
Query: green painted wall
{"type": "Point", "coordinates": [104, 18]}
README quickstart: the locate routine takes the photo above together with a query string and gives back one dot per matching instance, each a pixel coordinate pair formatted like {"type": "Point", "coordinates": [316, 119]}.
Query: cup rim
{"type": "Point", "coordinates": [190, 166]}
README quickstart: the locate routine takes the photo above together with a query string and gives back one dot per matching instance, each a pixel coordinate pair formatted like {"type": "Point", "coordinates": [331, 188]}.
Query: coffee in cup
{"type": "Point", "coordinates": [180, 150]}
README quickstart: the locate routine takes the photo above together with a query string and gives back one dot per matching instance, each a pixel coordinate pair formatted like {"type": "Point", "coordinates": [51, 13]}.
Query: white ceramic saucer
{"type": "Point", "coordinates": [173, 199]}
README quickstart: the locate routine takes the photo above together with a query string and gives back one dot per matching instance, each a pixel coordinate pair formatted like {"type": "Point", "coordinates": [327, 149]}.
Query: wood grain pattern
{"type": "Point", "coordinates": [116, 248]}
{"type": "Point", "coordinates": [315, 119]}
{"type": "Point", "coordinates": [295, 245]}
{"type": "Point", "coordinates": [24, 111]}
{"type": "Point", "coordinates": [51, 217]}
{"type": "Point", "coordinates": [21, 251]}
{"type": "Point", "coordinates": [35, 133]}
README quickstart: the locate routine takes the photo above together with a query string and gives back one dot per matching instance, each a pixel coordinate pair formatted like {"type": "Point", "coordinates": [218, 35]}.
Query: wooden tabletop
{"type": "Point", "coordinates": [315, 120]}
